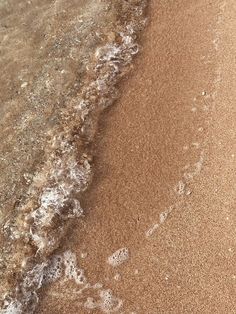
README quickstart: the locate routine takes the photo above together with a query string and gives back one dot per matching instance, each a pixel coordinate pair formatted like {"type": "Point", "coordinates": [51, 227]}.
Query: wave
{"type": "Point", "coordinates": [41, 218]}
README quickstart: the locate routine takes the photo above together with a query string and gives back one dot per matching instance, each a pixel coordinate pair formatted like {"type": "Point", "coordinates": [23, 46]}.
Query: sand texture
{"type": "Point", "coordinates": [164, 185]}
{"type": "Point", "coordinates": [158, 230]}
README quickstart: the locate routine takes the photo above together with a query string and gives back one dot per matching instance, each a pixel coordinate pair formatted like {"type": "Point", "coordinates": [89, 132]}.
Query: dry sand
{"type": "Point", "coordinates": [168, 146]}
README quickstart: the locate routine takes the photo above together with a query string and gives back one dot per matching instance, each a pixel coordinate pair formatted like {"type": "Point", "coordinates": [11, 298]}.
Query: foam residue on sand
{"type": "Point", "coordinates": [63, 267]}
{"type": "Point", "coordinates": [118, 257]}
{"type": "Point", "coordinates": [190, 172]}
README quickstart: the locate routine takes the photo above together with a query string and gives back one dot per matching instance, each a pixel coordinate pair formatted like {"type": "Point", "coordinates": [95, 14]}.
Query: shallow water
{"type": "Point", "coordinates": [60, 65]}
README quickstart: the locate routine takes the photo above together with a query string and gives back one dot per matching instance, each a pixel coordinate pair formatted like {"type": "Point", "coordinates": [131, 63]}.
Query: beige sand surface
{"type": "Point", "coordinates": [169, 141]}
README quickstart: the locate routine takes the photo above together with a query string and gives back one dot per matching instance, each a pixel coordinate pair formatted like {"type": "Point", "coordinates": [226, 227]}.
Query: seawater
{"type": "Point", "coordinates": [104, 35]}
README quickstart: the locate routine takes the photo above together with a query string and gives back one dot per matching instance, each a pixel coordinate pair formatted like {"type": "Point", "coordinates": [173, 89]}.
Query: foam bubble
{"type": "Point", "coordinates": [14, 307]}
{"type": "Point", "coordinates": [97, 285]}
{"type": "Point", "coordinates": [151, 230]}
{"type": "Point", "coordinates": [163, 217]}
{"type": "Point", "coordinates": [118, 257]}
{"type": "Point", "coordinates": [180, 187]}
{"type": "Point", "coordinates": [109, 303]}
{"type": "Point", "coordinates": [54, 270]}
{"type": "Point", "coordinates": [71, 269]}
{"type": "Point", "coordinates": [34, 278]}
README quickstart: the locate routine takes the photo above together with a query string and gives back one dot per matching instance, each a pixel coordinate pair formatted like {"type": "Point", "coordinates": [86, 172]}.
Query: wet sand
{"type": "Point", "coordinates": [166, 148]}
{"type": "Point", "coordinates": [60, 62]}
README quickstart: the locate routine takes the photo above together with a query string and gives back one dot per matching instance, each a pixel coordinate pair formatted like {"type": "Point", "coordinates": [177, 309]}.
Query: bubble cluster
{"type": "Point", "coordinates": [71, 269]}
{"type": "Point", "coordinates": [118, 257]}
{"type": "Point", "coordinates": [58, 266]}
{"type": "Point", "coordinates": [107, 302]}
{"type": "Point", "coordinates": [54, 270]}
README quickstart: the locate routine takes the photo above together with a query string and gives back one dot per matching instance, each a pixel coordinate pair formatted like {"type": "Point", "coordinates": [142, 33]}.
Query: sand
{"type": "Point", "coordinates": [164, 185]}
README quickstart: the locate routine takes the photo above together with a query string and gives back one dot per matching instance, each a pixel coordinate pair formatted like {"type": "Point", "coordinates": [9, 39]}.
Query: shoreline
{"type": "Point", "coordinates": [154, 185]}
{"type": "Point", "coordinates": [156, 228]}
{"type": "Point", "coordinates": [32, 229]}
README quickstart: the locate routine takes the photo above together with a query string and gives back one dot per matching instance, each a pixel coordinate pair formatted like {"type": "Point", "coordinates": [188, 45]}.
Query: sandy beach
{"type": "Point", "coordinates": [158, 230]}
{"type": "Point", "coordinates": [164, 184]}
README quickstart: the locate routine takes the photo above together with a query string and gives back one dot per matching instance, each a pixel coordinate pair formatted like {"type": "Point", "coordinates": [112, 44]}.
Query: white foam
{"type": "Point", "coordinates": [14, 307]}
{"type": "Point", "coordinates": [54, 270]}
{"type": "Point", "coordinates": [53, 197]}
{"type": "Point", "coordinates": [109, 303]}
{"type": "Point", "coordinates": [35, 277]}
{"type": "Point", "coordinates": [71, 269]}
{"type": "Point", "coordinates": [97, 285]}
{"type": "Point", "coordinates": [118, 257]}
{"type": "Point", "coordinates": [163, 217]}
{"type": "Point", "coordinates": [180, 187]}
{"type": "Point", "coordinates": [151, 230]}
